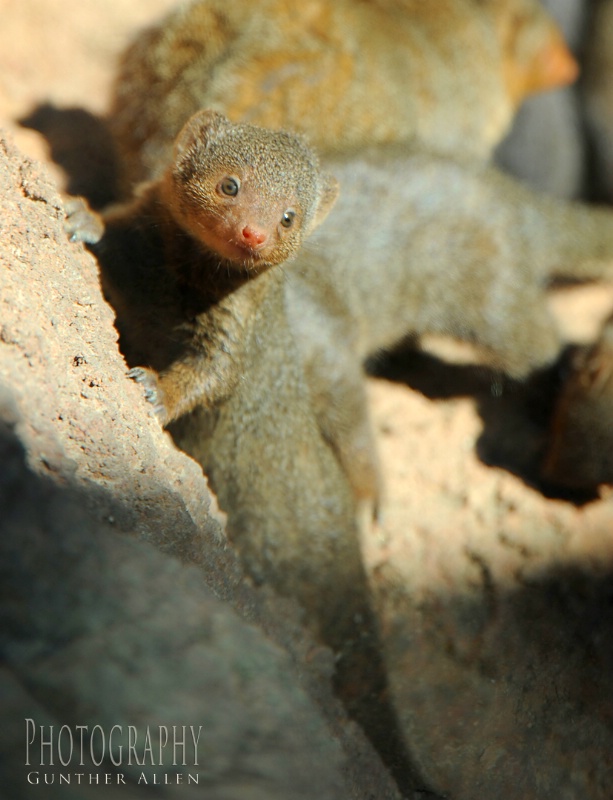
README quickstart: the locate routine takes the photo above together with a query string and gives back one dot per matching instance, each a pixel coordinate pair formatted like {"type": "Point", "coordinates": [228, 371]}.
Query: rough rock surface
{"type": "Point", "coordinates": [59, 355]}
{"type": "Point", "coordinates": [496, 611]}
{"type": "Point", "coordinates": [104, 630]}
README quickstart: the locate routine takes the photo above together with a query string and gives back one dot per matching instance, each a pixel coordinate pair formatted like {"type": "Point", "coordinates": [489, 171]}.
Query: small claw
{"type": "Point", "coordinates": [81, 223]}
{"type": "Point", "coordinates": [148, 380]}
{"type": "Point", "coordinates": [137, 374]}
{"type": "Point", "coordinates": [151, 394]}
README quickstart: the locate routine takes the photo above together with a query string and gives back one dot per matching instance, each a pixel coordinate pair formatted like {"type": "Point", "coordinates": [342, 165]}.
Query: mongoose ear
{"type": "Point", "coordinates": [328, 192]}
{"type": "Point", "coordinates": [198, 130]}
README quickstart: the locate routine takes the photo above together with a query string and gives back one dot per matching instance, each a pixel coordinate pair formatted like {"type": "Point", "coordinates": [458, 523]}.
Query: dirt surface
{"type": "Point", "coordinates": [494, 591]}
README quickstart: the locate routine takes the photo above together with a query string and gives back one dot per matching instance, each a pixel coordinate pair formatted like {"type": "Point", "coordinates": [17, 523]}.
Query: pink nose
{"type": "Point", "coordinates": [253, 237]}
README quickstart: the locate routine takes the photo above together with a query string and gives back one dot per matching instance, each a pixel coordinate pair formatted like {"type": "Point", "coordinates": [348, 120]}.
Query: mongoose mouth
{"type": "Point", "coordinates": [242, 254]}
{"type": "Point", "coordinates": [246, 258]}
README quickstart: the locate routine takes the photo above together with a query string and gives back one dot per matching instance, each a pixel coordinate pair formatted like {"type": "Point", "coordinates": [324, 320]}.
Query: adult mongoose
{"type": "Point", "coordinates": [348, 73]}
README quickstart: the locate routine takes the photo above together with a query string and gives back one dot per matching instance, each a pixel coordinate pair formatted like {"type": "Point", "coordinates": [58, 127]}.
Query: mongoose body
{"type": "Point", "coordinates": [449, 74]}
{"type": "Point", "coordinates": [439, 245]}
{"type": "Point", "coordinates": [420, 244]}
{"type": "Point", "coordinates": [201, 310]}
{"type": "Point", "coordinates": [193, 269]}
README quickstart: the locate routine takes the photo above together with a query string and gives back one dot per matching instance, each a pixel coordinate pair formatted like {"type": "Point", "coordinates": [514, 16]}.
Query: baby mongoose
{"type": "Point", "coordinates": [419, 244]}
{"type": "Point", "coordinates": [579, 452]}
{"type": "Point", "coordinates": [237, 201]}
{"type": "Point", "coordinates": [449, 74]}
{"type": "Point", "coordinates": [192, 269]}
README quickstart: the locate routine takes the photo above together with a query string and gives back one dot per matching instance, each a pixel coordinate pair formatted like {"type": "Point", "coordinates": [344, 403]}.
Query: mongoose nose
{"type": "Point", "coordinates": [253, 237]}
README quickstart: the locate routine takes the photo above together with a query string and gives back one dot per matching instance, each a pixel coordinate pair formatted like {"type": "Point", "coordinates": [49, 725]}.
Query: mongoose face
{"type": "Point", "coordinates": [246, 193]}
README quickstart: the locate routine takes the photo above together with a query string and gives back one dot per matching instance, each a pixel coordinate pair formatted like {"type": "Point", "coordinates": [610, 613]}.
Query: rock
{"type": "Point", "coordinates": [105, 630]}
{"type": "Point", "coordinates": [82, 422]}
{"type": "Point", "coordinates": [494, 605]}
{"type": "Point", "coordinates": [512, 677]}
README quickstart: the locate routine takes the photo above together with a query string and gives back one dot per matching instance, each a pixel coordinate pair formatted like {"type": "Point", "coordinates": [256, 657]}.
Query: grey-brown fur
{"type": "Point", "coordinates": [212, 335]}
{"type": "Point", "coordinates": [209, 338]}
{"type": "Point", "coordinates": [347, 73]}
{"type": "Point", "coordinates": [419, 244]}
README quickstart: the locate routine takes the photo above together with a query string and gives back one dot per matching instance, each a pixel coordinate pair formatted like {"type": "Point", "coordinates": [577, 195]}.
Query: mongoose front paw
{"type": "Point", "coordinates": [153, 392]}
{"type": "Point", "coordinates": [82, 224]}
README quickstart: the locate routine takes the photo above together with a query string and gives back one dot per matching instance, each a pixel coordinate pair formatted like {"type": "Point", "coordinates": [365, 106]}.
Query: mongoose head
{"type": "Point", "coordinates": [246, 193]}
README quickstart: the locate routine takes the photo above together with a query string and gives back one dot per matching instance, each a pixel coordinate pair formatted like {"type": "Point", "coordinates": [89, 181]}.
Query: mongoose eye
{"type": "Point", "coordinates": [287, 220]}
{"type": "Point", "coordinates": [229, 186]}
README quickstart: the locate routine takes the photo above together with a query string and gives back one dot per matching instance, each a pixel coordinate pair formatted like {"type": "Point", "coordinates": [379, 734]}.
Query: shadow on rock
{"type": "Point", "coordinates": [103, 629]}
{"type": "Point", "coordinates": [82, 145]}
{"type": "Point", "coordinates": [516, 416]}
{"type": "Point", "coordinates": [507, 691]}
